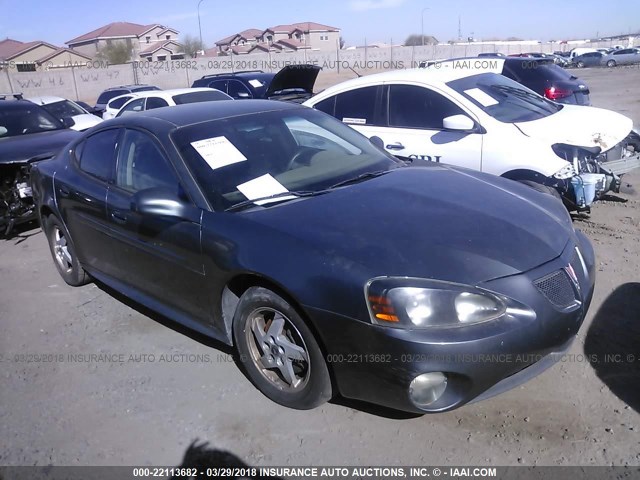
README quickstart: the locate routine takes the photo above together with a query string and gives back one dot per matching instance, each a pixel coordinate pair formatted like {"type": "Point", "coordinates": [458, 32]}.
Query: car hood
{"type": "Point", "coordinates": [21, 148]}
{"type": "Point", "coordinates": [301, 77]}
{"type": "Point", "coordinates": [428, 222]}
{"type": "Point", "coordinates": [581, 126]}
{"type": "Point", "coordinates": [85, 121]}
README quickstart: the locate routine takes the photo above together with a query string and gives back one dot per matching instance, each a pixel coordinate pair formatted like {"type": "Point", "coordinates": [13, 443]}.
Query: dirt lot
{"type": "Point", "coordinates": [146, 411]}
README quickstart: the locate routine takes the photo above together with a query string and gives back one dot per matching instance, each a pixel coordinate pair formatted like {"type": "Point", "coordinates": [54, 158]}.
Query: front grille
{"type": "Point", "coordinates": [557, 288]}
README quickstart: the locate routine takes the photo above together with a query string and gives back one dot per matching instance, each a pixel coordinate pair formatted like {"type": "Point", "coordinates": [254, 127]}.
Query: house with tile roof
{"type": "Point", "coordinates": [148, 42]}
{"type": "Point", "coordinates": [281, 38]}
{"type": "Point", "coordinates": [37, 55]}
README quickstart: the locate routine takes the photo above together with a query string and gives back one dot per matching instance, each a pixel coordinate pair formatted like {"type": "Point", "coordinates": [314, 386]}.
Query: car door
{"type": "Point", "coordinates": [414, 115]}
{"type": "Point", "coordinates": [160, 257]}
{"type": "Point", "coordinates": [81, 193]}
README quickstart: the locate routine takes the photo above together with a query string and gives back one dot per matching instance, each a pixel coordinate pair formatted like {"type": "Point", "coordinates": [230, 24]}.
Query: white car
{"type": "Point", "coordinates": [62, 108]}
{"type": "Point", "coordinates": [167, 98]}
{"type": "Point", "coordinates": [114, 105]}
{"type": "Point", "coordinates": [479, 119]}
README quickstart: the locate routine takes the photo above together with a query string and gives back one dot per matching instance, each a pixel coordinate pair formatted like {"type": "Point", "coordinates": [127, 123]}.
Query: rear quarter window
{"type": "Point", "coordinates": [96, 155]}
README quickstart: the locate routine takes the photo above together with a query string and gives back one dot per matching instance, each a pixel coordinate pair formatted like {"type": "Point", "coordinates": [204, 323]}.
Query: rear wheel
{"type": "Point", "coordinates": [279, 352]}
{"type": "Point", "coordinates": [63, 252]}
{"type": "Point", "coordinates": [611, 63]}
{"type": "Point", "coordinates": [539, 187]}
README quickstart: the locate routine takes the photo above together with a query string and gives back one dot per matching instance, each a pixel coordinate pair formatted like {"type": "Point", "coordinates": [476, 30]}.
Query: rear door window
{"type": "Point", "coordinates": [357, 106]}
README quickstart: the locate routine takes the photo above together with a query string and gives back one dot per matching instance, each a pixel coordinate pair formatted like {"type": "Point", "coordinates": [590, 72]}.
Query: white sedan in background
{"type": "Point", "coordinates": [167, 98]}
{"type": "Point", "coordinates": [62, 108]}
{"type": "Point", "coordinates": [471, 116]}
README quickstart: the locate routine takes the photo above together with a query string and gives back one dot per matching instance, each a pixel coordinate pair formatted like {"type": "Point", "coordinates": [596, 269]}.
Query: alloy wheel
{"type": "Point", "coordinates": [61, 250]}
{"type": "Point", "coordinates": [277, 349]}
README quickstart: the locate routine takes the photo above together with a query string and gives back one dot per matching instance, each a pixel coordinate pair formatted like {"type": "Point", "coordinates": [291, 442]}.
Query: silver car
{"type": "Point", "coordinates": [625, 56]}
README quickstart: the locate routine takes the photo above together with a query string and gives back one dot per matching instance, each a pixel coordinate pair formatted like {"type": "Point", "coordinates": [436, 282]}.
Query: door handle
{"type": "Point", "coordinates": [118, 217]}
{"type": "Point", "coordinates": [395, 146]}
{"type": "Point", "coordinates": [64, 191]}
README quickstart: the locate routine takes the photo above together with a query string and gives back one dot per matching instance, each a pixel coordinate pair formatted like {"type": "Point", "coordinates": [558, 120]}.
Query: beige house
{"type": "Point", "coordinates": [282, 38]}
{"type": "Point", "coordinates": [147, 42]}
{"type": "Point", "coordinates": [37, 55]}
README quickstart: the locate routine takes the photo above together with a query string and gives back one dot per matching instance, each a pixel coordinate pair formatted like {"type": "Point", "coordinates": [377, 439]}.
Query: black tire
{"type": "Point", "coordinates": [63, 252]}
{"type": "Point", "coordinates": [580, 64]}
{"type": "Point", "coordinates": [611, 63]}
{"type": "Point", "coordinates": [538, 187]}
{"type": "Point", "coordinates": [308, 383]}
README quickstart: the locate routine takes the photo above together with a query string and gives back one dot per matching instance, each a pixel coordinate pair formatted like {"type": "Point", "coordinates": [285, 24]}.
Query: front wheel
{"type": "Point", "coordinates": [580, 64]}
{"type": "Point", "coordinates": [611, 63]}
{"type": "Point", "coordinates": [63, 252]}
{"type": "Point", "coordinates": [539, 187]}
{"type": "Point", "coordinates": [279, 352]}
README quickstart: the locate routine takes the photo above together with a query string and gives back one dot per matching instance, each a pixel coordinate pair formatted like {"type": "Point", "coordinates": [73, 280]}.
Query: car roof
{"type": "Point", "coordinates": [194, 113]}
{"type": "Point", "coordinates": [119, 87]}
{"type": "Point", "coordinates": [45, 99]}
{"type": "Point", "coordinates": [168, 93]}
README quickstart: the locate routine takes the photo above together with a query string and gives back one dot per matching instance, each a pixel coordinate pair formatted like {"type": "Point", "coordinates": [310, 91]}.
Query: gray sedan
{"type": "Point", "coordinates": [625, 56]}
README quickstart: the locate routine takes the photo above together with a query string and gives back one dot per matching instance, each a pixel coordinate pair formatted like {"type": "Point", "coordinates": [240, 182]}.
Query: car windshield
{"type": "Point", "coordinates": [504, 99]}
{"type": "Point", "coordinates": [63, 109]}
{"type": "Point", "coordinates": [203, 96]}
{"type": "Point", "coordinates": [266, 154]}
{"type": "Point", "coordinates": [26, 119]}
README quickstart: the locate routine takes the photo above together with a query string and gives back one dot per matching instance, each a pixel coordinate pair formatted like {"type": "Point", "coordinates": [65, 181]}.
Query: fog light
{"type": "Point", "coordinates": [425, 389]}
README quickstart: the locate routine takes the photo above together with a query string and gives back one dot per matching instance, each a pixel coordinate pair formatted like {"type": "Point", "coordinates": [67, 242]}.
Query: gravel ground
{"type": "Point", "coordinates": [172, 386]}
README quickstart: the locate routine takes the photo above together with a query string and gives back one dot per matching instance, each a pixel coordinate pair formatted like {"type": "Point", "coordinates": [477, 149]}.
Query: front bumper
{"type": "Point", "coordinates": [376, 364]}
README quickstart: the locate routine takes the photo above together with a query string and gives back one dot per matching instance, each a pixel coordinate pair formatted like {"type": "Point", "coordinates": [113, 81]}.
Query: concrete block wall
{"type": "Point", "coordinates": [86, 83]}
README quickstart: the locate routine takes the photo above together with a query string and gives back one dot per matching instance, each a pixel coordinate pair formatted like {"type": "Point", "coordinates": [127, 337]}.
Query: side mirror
{"type": "Point", "coordinates": [458, 123]}
{"type": "Point", "coordinates": [68, 122]}
{"type": "Point", "coordinates": [377, 141]}
{"type": "Point", "coordinates": [164, 203]}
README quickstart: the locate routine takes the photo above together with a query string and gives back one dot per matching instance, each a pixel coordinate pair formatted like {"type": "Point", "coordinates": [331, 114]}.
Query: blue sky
{"type": "Point", "coordinates": [375, 20]}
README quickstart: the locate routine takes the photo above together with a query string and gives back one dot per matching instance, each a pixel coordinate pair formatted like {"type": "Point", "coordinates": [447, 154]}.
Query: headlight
{"type": "Point", "coordinates": [396, 302]}
{"type": "Point", "coordinates": [565, 172]}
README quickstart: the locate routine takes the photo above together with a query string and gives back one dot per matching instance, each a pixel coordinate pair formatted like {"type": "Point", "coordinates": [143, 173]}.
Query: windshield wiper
{"type": "Point", "coordinates": [282, 197]}
{"type": "Point", "coordinates": [359, 178]}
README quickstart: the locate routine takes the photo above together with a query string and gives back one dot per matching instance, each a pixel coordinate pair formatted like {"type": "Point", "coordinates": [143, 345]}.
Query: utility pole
{"type": "Point", "coordinates": [459, 28]}
{"type": "Point", "coordinates": [200, 25]}
{"type": "Point", "coordinates": [422, 24]}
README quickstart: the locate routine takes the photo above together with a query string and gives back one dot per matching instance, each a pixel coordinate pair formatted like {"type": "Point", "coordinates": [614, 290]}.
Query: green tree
{"type": "Point", "coordinates": [415, 40]}
{"type": "Point", "coordinates": [190, 46]}
{"type": "Point", "coordinates": [116, 53]}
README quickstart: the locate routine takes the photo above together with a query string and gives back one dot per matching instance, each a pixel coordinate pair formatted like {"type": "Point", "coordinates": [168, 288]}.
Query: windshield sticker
{"type": "Point", "coordinates": [481, 97]}
{"type": "Point", "coordinates": [218, 152]}
{"type": "Point", "coordinates": [358, 121]}
{"type": "Point", "coordinates": [255, 83]}
{"type": "Point", "coordinates": [264, 186]}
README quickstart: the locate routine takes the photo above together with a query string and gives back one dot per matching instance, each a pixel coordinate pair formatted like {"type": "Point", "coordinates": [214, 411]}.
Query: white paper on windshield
{"type": "Point", "coordinates": [255, 83]}
{"type": "Point", "coordinates": [481, 97]}
{"type": "Point", "coordinates": [218, 152]}
{"type": "Point", "coordinates": [264, 186]}
{"type": "Point", "coordinates": [358, 121]}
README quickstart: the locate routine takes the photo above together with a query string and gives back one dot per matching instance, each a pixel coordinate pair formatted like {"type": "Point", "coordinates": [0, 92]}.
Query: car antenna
{"type": "Point", "coordinates": [355, 72]}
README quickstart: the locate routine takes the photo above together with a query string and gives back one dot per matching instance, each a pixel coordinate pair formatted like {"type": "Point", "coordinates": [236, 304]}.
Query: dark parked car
{"type": "Point", "coordinates": [278, 229]}
{"type": "Point", "coordinates": [27, 133]}
{"type": "Point", "coordinates": [589, 59]}
{"type": "Point", "coordinates": [292, 83]}
{"type": "Point", "coordinates": [539, 74]}
{"type": "Point", "coordinates": [113, 92]}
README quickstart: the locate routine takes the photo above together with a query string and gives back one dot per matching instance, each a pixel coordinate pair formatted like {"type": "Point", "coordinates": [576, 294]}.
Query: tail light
{"type": "Point", "coordinates": [555, 93]}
